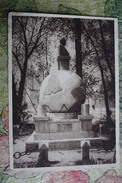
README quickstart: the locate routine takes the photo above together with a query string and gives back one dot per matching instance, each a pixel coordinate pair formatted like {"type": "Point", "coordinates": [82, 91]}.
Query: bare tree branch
{"type": "Point", "coordinates": [18, 62]}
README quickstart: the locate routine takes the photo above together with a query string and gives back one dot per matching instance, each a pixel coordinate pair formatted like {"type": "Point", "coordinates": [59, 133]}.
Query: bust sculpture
{"type": "Point", "coordinates": [63, 56]}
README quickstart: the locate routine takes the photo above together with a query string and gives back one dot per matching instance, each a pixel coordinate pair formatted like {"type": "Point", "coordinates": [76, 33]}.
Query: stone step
{"type": "Point", "coordinates": [34, 145]}
{"type": "Point", "coordinates": [63, 135]}
{"type": "Point", "coordinates": [66, 120]}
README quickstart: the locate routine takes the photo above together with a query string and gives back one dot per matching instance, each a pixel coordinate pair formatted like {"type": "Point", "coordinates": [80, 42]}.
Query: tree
{"type": "Point", "coordinates": [102, 50]}
{"type": "Point", "coordinates": [29, 38]}
{"type": "Point", "coordinates": [106, 51]}
{"type": "Point", "coordinates": [78, 46]}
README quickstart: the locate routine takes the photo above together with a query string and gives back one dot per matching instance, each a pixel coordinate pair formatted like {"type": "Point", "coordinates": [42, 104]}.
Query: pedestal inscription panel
{"type": "Point", "coordinates": [64, 127]}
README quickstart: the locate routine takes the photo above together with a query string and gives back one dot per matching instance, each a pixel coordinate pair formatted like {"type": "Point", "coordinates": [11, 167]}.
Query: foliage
{"type": "Point", "coordinates": [113, 8]}
{"type": "Point", "coordinates": [93, 50]}
{"type": "Point", "coordinates": [3, 79]}
{"type": "Point", "coordinates": [15, 5]}
{"type": "Point", "coordinates": [27, 40]}
{"type": "Point", "coordinates": [2, 129]}
{"type": "Point", "coordinates": [99, 43]}
{"type": "Point", "coordinates": [3, 176]}
{"type": "Point", "coordinates": [67, 10]}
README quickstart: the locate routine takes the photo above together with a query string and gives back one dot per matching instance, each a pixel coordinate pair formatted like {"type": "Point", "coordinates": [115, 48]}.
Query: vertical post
{"type": "Point", "coordinates": [85, 109]}
{"type": "Point", "coordinates": [85, 150]}
{"type": "Point", "coordinates": [43, 156]}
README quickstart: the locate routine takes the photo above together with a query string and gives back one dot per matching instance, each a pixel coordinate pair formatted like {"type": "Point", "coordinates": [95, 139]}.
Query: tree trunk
{"type": "Point", "coordinates": [22, 82]}
{"type": "Point", "coordinates": [105, 53]}
{"type": "Point", "coordinates": [78, 47]}
{"type": "Point", "coordinates": [16, 106]}
{"type": "Point", "coordinates": [102, 75]}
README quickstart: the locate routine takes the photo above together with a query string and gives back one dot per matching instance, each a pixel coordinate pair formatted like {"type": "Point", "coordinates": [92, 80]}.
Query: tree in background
{"type": "Point", "coordinates": [98, 36]}
{"type": "Point", "coordinates": [78, 47]}
{"type": "Point", "coordinates": [29, 35]}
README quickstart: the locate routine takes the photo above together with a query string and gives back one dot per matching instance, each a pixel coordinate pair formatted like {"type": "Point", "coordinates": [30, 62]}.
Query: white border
{"type": "Point", "coordinates": [10, 89]}
{"type": "Point", "coordinates": [116, 37]}
{"type": "Point", "coordinates": [81, 167]}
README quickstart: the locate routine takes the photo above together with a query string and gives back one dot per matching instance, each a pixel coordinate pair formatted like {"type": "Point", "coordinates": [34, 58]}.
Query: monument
{"type": "Point", "coordinates": [63, 122]}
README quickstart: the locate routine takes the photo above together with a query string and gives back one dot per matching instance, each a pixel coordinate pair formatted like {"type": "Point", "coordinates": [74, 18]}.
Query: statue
{"type": "Point", "coordinates": [63, 56]}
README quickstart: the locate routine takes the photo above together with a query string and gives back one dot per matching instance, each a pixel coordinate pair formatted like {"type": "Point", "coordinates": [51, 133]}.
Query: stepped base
{"type": "Point", "coordinates": [45, 125]}
{"type": "Point", "coordinates": [58, 150]}
{"type": "Point", "coordinates": [58, 134]}
{"type": "Point", "coordinates": [66, 135]}
{"type": "Point", "coordinates": [64, 144]}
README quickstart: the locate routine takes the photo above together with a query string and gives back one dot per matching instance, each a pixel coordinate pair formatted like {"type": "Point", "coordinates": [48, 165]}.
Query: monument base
{"type": "Point", "coordinates": [56, 134]}
{"type": "Point", "coordinates": [62, 135]}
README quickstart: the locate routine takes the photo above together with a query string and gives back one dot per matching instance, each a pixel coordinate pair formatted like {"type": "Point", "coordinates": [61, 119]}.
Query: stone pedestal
{"type": "Point", "coordinates": [47, 129]}
{"type": "Point", "coordinates": [63, 62]}
{"type": "Point", "coordinates": [86, 122]}
{"type": "Point", "coordinates": [41, 124]}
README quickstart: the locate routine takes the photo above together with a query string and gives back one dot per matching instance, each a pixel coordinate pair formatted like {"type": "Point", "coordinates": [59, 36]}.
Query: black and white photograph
{"type": "Point", "coordinates": [63, 91]}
